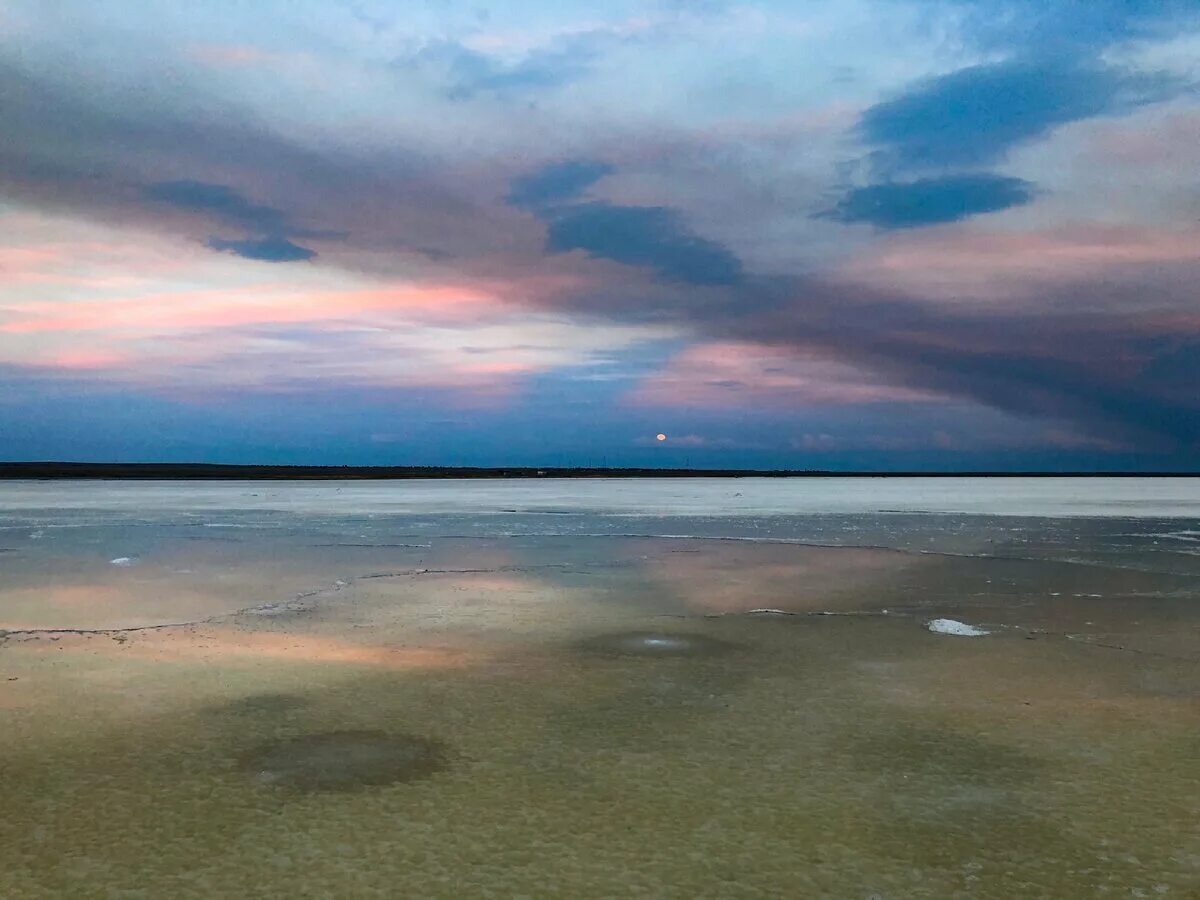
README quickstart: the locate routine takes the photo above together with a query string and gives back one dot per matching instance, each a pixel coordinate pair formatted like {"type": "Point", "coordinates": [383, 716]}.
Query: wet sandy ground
{"type": "Point", "coordinates": [441, 706]}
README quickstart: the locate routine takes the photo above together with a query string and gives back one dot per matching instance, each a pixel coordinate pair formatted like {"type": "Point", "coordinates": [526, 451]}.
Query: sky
{"type": "Point", "coordinates": [862, 234]}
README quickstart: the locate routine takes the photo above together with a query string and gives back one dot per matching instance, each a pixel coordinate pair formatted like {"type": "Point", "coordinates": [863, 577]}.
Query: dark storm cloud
{"type": "Point", "coordinates": [1060, 367]}
{"type": "Point", "coordinates": [1006, 376]}
{"type": "Point", "coordinates": [929, 201]}
{"type": "Point", "coordinates": [221, 201]}
{"type": "Point", "coordinates": [268, 249]}
{"type": "Point", "coordinates": [62, 132]}
{"type": "Point", "coordinates": [66, 148]}
{"type": "Point", "coordinates": [974, 116]}
{"type": "Point", "coordinates": [1027, 361]}
{"type": "Point", "coordinates": [226, 204]}
{"type": "Point", "coordinates": [1057, 368]}
{"type": "Point", "coordinates": [557, 182]}
{"type": "Point", "coordinates": [1102, 373]}
{"type": "Point", "coordinates": [651, 236]}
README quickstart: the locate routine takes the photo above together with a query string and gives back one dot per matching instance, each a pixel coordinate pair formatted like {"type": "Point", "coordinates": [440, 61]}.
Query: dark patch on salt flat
{"type": "Point", "coordinates": [260, 704]}
{"type": "Point", "coordinates": [345, 760]}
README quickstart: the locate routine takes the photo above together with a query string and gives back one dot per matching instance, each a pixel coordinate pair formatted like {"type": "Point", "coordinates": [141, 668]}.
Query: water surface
{"type": "Point", "coordinates": [717, 688]}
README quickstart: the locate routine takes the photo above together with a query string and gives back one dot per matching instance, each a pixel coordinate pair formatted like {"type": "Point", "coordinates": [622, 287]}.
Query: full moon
{"type": "Point", "coordinates": [660, 437]}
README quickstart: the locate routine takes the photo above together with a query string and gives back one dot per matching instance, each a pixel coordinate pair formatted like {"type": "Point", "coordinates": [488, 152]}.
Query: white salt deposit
{"type": "Point", "coordinates": [1126, 498]}
{"type": "Point", "coordinates": [953, 626]}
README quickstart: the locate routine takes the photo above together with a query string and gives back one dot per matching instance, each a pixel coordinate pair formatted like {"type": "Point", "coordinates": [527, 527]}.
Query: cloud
{"type": "Point", "coordinates": [974, 116]}
{"type": "Point", "coordinates": [225, 56]}
{"type": "Point", "coordinates": [219, 200]}
{"type": "Point", "coordinates": [228, 205]}
{"type": "Point", "coordinates": [269, 249]}
{"type": "Point", "coordinates": [467, 73]}
{"type": "Point", "coordinates": [1092, 369]}
{"type": "Point", "coordinates": [255, 164]}
{"type": "Point", "coordinates": [929, 201]}
{"type": "Point", "coordinates": [1169, 143]}
{"type": "Point", "coordinates": [737, 375]}
{"type": "Point", "coordinates": [1072, 26]}
{"type": "Point", "coordinates": [235, 304]}
{"type": "Point", "coordinates": [513, 62]}
{"type": "Point", "coordinates": [650, 236]}
{"type": "Point", "coordinates": [101, 155]}
{"type": "Point", "coordinates": [653, 237]}
{"type": "Point", "coordinates": [557, 182]}
{"type": "Point", "coordinates": [1039, 267]}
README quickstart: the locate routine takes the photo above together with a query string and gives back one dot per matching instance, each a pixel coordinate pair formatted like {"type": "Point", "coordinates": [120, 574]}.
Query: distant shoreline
{"type": "Point", "coordinates": [222, 472]}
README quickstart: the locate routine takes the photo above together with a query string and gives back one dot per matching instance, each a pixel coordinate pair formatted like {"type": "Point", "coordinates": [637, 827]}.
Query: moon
{"type": "Point", "coordinates": [660, 437]}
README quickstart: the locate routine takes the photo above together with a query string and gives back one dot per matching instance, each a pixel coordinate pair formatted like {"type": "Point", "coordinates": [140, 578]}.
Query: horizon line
{"type": "Point", "coordinates": [58, 469]}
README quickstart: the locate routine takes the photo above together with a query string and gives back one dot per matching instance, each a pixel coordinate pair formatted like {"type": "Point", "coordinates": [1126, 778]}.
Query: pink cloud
{"type": "Point", "coordinates": [143, 310]}
{"type": "Point", "coordinates": [283, 336]}
{"type": "Point", "coordinates": [230, 359]}
{"type": "Point", "coordinates": [86, 359]}
{"type": "Point", "coordinates": [736, 374]}
{"type": "Point", "coordinates": [1171, 140]}
{"type": "Point", "coordinates": [259, 304]}
{"type": "Point", "coordinates": [66, 257]}
{"type": "Point", "coordinates": [956, 262]}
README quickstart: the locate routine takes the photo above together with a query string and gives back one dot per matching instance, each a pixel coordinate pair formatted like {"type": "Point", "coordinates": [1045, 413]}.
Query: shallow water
{"type": "Point", "coordinates": [546, 690]}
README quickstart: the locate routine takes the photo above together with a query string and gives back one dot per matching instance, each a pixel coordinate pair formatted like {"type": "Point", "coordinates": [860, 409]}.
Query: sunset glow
{"type": "Point", "coordinates": [877, 235]}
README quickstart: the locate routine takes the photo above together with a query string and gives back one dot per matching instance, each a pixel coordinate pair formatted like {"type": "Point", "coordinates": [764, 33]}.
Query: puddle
{"type": "Point", "coordinates": [343, 760]}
